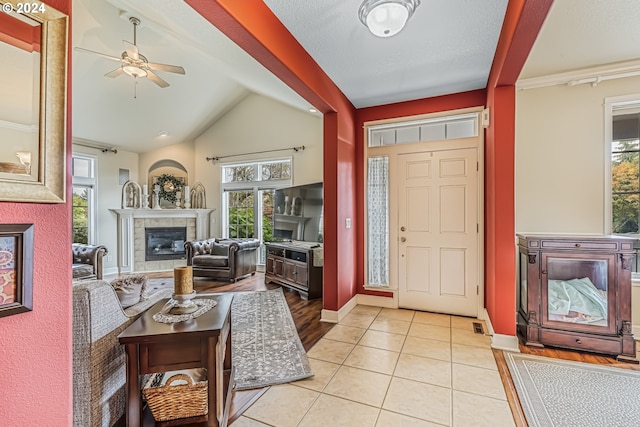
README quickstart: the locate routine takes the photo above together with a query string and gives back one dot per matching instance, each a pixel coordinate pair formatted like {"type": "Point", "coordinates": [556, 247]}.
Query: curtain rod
{"type": "Point", "coordinates": [215, 159]}
{"type": "Point", "coordinates": [97, 146]}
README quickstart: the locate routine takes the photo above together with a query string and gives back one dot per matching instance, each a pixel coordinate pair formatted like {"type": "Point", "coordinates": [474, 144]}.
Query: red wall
{"type": "Point", "coordinates": [252, 25]}
{"type": "Point", "coordinates": [402, 109]}
{"type": "Point", "coordinates": [520, 29]}
{"type": "Point", "coordinates": [35, 349]}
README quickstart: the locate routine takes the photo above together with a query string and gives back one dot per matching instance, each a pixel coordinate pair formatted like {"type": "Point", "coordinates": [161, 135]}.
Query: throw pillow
{"type": "Point", "coordinates": [130, 289]}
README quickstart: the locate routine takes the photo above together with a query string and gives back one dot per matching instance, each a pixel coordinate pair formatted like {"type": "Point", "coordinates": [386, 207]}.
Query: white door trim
{"type": "Point", "coordinates": [392, 151]}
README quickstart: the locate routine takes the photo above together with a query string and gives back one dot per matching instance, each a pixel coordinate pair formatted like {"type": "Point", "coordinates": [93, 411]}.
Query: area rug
{"type": "Point", "coordinates": [266, 347]}
{"type": "Point", "coordinates": [157, 284]}
{"type": "Point", "coordinates": [561, 393]}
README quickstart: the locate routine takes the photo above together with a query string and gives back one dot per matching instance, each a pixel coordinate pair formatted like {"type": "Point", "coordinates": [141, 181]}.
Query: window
{"type": "Point", "coordinates": [247, 197]}
{"type": "Point", "coordinates": [378, 221]}
{"type": "Point", "coordinates": [83, 203]}
{"type": "Point", "coordinates": [623, 142]}
{"type": "Point", "coordinates": [436, 129]}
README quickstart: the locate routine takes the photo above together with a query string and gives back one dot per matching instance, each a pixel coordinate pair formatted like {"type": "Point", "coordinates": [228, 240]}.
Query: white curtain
{"type": "Point", "coordinates": [378, 221]}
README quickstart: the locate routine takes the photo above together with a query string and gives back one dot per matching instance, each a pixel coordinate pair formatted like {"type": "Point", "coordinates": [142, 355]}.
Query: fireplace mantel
{"type": "Point", "coordinates": [127, 260]}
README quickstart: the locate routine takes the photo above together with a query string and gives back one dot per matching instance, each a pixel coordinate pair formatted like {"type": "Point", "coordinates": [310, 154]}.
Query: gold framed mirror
{"type": "Point", "coordinates": [33, 108]}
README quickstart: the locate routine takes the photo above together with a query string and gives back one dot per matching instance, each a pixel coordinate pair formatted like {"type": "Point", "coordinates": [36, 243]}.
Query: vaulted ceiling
{"type": "Point", "coordinates": [446, 47]}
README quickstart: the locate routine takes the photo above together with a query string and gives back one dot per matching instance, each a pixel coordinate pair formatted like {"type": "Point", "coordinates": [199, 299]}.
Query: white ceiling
{"type": "Point", "coordinates": [446, 47]}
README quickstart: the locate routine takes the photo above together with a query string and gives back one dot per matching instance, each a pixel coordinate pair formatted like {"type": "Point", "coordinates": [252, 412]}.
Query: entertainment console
{"type": "Point", "coordinates": [297, 266]}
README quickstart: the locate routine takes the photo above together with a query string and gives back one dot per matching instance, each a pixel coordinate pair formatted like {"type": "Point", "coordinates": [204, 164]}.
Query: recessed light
{"type": "Point", "coordinates": [163, 133]}
{"type": "Point", "coordinates": [313, 110]}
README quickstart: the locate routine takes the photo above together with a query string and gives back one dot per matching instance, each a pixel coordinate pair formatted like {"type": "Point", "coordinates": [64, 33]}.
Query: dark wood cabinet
{"type": "Point", "coordinates": [575, 292]}
{"type": "Point", "coordinates": [296, 266]}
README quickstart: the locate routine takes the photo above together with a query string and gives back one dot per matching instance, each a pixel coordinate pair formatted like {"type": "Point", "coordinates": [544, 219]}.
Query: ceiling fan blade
{"type": "Point", "coordinates": [164, 67]}
{"type": "Point", "coordinates": [80, 49]}
{"type": "Point", "coordinates": [156, 79]}
{"type": "Point", "coordinates": [132, 50]}
{"type": "Point", "coordinates": [115, 73]}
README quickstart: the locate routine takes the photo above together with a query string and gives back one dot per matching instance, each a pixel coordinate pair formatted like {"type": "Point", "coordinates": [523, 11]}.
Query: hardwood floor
{"type": "Point", "coordinates": [305, 314]}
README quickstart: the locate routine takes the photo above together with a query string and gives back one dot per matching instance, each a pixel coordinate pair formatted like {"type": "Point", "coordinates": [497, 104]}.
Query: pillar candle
{"type": "Point", "coordinates": [183, 280]}
{"type": "Point", "coordinates": [156, 188]}
{"type": "Point", "coordinates": [145, 189]}
{"type": "Point", "coordinates": [187, 192]}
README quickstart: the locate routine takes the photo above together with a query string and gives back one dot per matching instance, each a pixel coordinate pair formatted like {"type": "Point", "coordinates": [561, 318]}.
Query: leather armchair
{"type": "Point", "coordinates": [223, 258]}
{"type": "Point", "coordinates": [87, 261]}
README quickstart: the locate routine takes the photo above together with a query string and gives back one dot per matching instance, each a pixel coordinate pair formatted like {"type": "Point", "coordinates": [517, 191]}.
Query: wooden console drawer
{"type": "Point", "coordinates": [560, 244]}
{"type": "Point", "coordinates": [580, 341]}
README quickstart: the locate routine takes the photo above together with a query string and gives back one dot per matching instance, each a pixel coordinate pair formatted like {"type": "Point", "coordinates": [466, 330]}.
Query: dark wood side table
{"type": "Point", "coordinates": [203, 342]}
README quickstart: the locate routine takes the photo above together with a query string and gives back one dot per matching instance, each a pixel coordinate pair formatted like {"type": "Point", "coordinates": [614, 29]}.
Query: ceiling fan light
{"type": "Point", "coordinates": [134, 71]}
{"type": "Point", "coordinates": [386, 18]}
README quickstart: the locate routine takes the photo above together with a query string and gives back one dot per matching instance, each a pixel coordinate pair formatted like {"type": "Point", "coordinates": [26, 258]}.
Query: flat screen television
{"type": "Point", "coordinates": [298, 214]}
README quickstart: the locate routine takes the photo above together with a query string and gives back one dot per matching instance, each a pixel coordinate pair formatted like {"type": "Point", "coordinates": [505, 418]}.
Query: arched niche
{"type": "Point", "coordinates": [167, 167]}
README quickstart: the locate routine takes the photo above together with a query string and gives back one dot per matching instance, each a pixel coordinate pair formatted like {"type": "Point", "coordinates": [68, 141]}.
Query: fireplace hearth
{"type": "Point", "coordinates": [162, 243]}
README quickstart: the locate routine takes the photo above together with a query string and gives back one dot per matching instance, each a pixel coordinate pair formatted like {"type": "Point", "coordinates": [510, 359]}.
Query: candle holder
{"type": "Point", "coordinates": [187, 198]}
{"type": "Point", "coordinates": [184, 303]}
{"type": "Point", "coordinates": [145, 201]}
{"type": "Point", "coordinates": [156, 198]}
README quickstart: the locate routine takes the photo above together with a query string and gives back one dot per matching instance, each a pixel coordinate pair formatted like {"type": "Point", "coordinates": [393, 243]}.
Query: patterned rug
{"type": "Point", "coordinates": [556, 392]}
{"type": "Point", "coordinates": [156, 284]}
{"type": "Point", "coordinates": [266, 346]}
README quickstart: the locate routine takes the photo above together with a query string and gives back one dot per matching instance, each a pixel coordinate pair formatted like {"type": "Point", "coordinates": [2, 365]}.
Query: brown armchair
{"type": "Point", "coordinates": [87, 261]}
{"type": "Point", "coordinates": [223, 258]}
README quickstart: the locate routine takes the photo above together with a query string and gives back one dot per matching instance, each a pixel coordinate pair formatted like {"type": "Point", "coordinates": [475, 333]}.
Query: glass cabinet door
{"type": "Point", "coordinates": [576, 290]}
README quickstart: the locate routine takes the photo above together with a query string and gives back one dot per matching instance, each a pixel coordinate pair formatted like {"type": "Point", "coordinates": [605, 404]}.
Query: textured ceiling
{"type": "Point", "coordinates": [446, 47]}
{"type": "Point", "coordinates": [218, 75]}
{"type": "Point", "coordinates": [578, 34]}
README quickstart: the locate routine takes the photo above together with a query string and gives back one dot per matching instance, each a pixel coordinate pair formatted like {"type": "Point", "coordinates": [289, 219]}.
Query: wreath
{"type": "Point", "coordinates": [169, 186]}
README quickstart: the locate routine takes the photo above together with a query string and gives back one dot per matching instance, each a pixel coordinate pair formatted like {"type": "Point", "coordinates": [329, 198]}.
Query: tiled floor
{"type": "Point", "coordinates": [384, 367]}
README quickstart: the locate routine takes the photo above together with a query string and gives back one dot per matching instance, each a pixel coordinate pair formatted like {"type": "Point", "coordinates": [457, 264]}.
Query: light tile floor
{"type": "Point", "coordinates": [385, 367]}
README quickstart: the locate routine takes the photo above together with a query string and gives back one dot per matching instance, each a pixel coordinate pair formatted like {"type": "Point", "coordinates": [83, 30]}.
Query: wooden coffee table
{"type": "Point", "coordinates": [203, 342]}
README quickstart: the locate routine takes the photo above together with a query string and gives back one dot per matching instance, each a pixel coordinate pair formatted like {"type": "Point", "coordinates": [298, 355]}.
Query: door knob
{"type": "Point", "coordinates": [403, 239]}
{"type": "Point", "coordinates": [402, 228]}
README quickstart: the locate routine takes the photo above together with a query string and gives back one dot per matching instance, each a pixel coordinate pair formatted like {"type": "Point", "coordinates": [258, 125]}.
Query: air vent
{"type": "Point", "coordinates": [477, 328]}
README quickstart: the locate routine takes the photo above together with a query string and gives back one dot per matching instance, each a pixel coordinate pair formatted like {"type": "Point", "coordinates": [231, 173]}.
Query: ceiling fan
{"type": "Point", "coordinates": [133, 63]}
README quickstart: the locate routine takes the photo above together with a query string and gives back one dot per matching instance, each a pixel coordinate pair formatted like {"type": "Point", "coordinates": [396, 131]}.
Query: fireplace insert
{"type": "Point", "coordinates": [163, 243]}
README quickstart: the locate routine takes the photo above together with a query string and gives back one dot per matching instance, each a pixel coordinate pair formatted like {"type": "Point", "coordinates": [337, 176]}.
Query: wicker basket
{"type": "Point", "coordinates": [169, 402]}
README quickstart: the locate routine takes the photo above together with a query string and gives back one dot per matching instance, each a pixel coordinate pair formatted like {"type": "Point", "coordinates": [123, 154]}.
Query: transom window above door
{"type": "Point", "coordinates": [424, 130]}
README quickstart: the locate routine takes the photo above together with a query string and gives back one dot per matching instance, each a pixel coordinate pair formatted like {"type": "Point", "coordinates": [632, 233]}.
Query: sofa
{"type": "Point", "coordinates": [87, 261]}
{"type": "Point", "coordinates": [223, 258]}
{"type": "Point", "coordinates": [99, 370]}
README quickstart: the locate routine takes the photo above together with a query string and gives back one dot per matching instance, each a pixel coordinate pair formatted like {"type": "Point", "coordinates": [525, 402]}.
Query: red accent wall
{"type": "Point", "coordinates": [35, 349]}
{"type": "Point", "coordinates": [520, 29]}
{"type": "Point", "coordinates": [253, 27]}
{"type": "Point", "coordinates": [456, 101]}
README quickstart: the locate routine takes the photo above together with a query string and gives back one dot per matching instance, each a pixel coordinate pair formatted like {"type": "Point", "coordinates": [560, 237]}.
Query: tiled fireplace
{"type": "Point", "coordinates": [134, 226]}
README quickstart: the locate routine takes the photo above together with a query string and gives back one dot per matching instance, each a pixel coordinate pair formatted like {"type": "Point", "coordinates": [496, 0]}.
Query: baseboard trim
{"type": "Point", "coordinates": [500, 341]}
{"type": "Point", "coordinates": [333, 316]}
{"type": "Point", "coordinates": [378, 301]}
{"type": "Point", "coordinates": [110, 271]}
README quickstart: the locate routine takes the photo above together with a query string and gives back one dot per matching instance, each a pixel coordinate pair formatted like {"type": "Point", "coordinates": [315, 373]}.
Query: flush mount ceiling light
{"type": "Point", "coordinates": [385, 18]}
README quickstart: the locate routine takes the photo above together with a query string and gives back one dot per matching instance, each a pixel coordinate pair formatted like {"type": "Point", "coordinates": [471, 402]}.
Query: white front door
{"type": "Point", "coordinates": [437, 231]}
